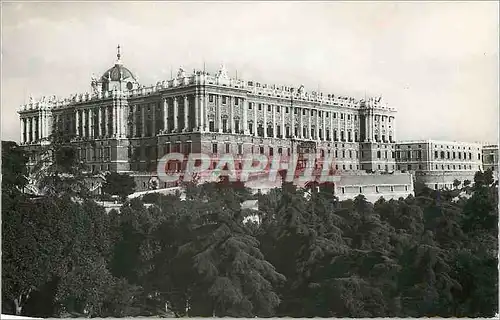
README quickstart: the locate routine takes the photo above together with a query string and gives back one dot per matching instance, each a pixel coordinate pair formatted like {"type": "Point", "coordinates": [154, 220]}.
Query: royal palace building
{"type": "Point", "coordinates": [124, 126]}
{"type": "Point", "coordinates": [439, 163]}
{"type": "Point", "coordinates": [490, 158]}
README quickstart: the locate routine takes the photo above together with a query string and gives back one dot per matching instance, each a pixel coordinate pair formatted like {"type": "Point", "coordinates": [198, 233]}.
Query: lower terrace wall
{"type": "Point", "coordinates": [443, 179]}
{"type": "Point", "coordinates": [374, 186]}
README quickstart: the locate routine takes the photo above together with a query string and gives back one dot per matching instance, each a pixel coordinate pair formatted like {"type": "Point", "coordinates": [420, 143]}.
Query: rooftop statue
{"type": "Point", "coordinates": [181, 73]}
{"type": "Point", "coordinates": [222, 72]}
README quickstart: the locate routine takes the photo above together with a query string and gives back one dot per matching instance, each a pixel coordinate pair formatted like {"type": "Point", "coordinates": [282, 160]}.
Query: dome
{"type": "Point", "coordinates": [118, 71]}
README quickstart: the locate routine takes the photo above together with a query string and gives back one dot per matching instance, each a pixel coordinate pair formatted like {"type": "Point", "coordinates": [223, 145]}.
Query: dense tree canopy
{"type": "Point", "coordinates": [119, 184]}
{"type": "Point", "coordinates": [309, 255]}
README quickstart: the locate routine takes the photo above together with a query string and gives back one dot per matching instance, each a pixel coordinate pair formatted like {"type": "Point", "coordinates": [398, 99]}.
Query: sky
{"type": "Point", "coordinates": [437, 63]}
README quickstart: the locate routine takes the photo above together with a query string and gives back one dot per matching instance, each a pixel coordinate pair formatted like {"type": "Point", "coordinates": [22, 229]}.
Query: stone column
{"type": "Point", "coordinates": [112, 120]}
{"type": "Point", "coordinates": [283, 129]}
{"type": "Point", "coordinates": [42, 119]}
{"type": "Point", "coordinates": [292, 114]}
{"type": "Point", "coordinates": [218, 114]}
{"type": "Point", "coordinates": [317, 124]}
{"type": "Point", "coordinates": [196, 111]}
{"type": "Point", "coordinates": [255, 125]}
{"type": "Point", "coordinates": [309, 114]}
{"type": "Point", "coordinates": [91, 123]}
{"type": "Point", "coordinates": [143, 121]}
{"type": "Point", "coordinates": [27, 128]}
{"type": "Point", "coordinates": [23, 131]}
{"type": "Point", "coordinates": [84, 123]}
{"type": "Point", "coordinates": [203, 113]}
{"type": "Point", "coordinates": [99, 122]}
{"type": "Point", "coordinates": [301, 123]}
{"type": "Point", "coordinates": [115, 119]}
{"type": "Point", "coordinates": [273, 108]}
{"type": "Point", "coordinates": [153, 124]}
{"type": "Point", "coordinates": [106, 121]}
{"type": "Point", "coordinates": [323, 118]}
{"type": "Point", "coordinates": [133, 134]}
{"type": "Point", "coordinates": [244, 116]}
{"type": "Point", "coordinates": [39, 118]}
{"type": "Point", "coordinates": [119, 121]}
{"type": "Point", "coordinates": [186, 114]}
{"type": "Point", "coordinates": [338, 126]}
{"type": "Point", "coordinates": [331, 126]}
{"type": "Point", "coordinates": [176, 115]}
{"type": "Point", "coordinates": [165, 116]}
{"type": "Point", "coordinates": [77, 117]}
{"type": "Point", "coordinates": [265, 121]}
{"type": "Point", "coordinates": [123, 120]}
{"type": "Point", "coordinates": [231, 114]}
{"type": "Point", "coordinates": [49, 124]}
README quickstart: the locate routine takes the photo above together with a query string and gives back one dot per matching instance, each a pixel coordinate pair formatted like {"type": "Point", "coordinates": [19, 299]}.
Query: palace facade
{"type": "Point", "coordinates": [126, 127]}
{"type": "Point", "coordinates": [490, 158]}
{"type": "Point", "coordinates": [439, 163]}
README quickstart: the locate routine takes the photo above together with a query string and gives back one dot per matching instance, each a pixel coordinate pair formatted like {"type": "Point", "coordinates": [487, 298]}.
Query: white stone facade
{"type": "Point", "coordinates": [439, 163]}
{"type": "Point", "coordinates": [122, 126]}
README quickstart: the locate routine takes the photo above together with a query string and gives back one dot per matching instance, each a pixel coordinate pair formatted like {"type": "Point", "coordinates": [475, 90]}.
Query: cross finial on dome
{"type": "Point", "coordinates": [118, 55]}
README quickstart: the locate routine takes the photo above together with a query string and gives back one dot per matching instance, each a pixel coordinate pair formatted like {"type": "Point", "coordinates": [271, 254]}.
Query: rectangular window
{"type": "Point", "coordinates": [240, 149]}
{"type": "Point", "coordinates": [211, 126]}
{"type": "Point", "coordinates": [224, 99]}
{"type": "Point", "coordinates": [268, 107]}
{"type": "Point", "coordinates": [224, 125]}
{"type": "Point", "coordinates": [228, 148]}
{"type": "Point", "coordinates": [236, 101]}
{"type": "Point", "coordinates": [214, 148]}
{"type": "Point", "coordinates": [237, 126]}
{"type": "Point", "coordinates": [250, 127]}
{"type": "Point", "coordinates": [250, 106]}
{"type": "Point", "coordinates": [211, 98]}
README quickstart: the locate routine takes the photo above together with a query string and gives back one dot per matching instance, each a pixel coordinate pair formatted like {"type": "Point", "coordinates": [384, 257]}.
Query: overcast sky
{"type": "Point", "coordinates": [437, 63]}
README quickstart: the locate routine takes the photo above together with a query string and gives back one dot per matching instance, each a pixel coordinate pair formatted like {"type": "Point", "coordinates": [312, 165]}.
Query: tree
{"type": "Point", "coordinates": [467, 182]}
{"type": "Point", "coordinates": [119, 184]}
{"type": "Point", "coordinates": [456, 183]}
{"type": "Point", "coordinates": [58, 171]}
{"type": "Point", "coordinates": [13, 168]}
{"type": "Point", "coordinates": [219, 268]}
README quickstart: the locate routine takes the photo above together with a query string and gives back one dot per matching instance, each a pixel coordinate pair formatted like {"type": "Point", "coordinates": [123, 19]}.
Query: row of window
{"type": "Point", "coordinates": [454, 155]}
{"type": "Point", "coordinates": [447, 147]}
{"type": "Point", "coordinates": [417, 155]}
{"type": "Point", "coordinates": [440, 167]}
{"type": "Point", "coordinates": [377, 189]}
{"type": "Point", "coordinates": [94, 154]}
{"type": "Point", "coordinates": [270, 132]}
{"type": "Point", "coordinates": [305, 111]}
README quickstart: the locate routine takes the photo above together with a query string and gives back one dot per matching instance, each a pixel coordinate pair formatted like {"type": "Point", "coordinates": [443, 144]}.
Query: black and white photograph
{"type": "Point", "coordinates": [248, 159]}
